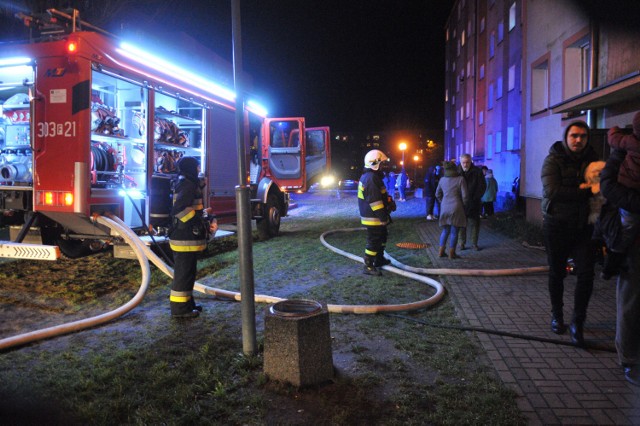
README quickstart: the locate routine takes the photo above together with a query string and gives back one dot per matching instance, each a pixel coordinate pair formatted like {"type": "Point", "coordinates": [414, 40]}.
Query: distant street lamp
{"type": "Point", "coordinates": [403, 148]}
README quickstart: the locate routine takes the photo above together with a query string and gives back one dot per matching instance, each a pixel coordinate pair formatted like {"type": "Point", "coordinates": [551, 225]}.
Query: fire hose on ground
{"type": "Point", "coordinates": [82, 324]}
{"type": "Point", "coordinates": [144, 254]}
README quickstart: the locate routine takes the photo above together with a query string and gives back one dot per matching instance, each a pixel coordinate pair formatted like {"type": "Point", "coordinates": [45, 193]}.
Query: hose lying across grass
{"type": "Point", "coordinates": [144, 254]}
{"type": "Point", "coordinates": [438, 271]}
{"type": "Point", "coordinates": [459, 272]}
{"type": "Point", "coordinates": [82, 324]}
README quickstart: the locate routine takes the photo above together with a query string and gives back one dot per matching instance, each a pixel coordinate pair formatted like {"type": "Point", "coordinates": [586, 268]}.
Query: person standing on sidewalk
{"type": "Point", "coordinates": [628, 285]}
{"type": "Point", "coordinates": [453, 195]}
{"type": "Point", "coordinates": [391, 189]}
{"type": "Point", "coordinates": [565, 211]}
{"type": "Point", "coordinates": [431, 180]}
{"type": "Point", "coordinates": [476, 186]}
{"type": "Point", "coordinates": [375, 206]}
{"type": "Point", "coordinates": [489, 196]}
{"type": "Point", "coordinates": [403, 179]}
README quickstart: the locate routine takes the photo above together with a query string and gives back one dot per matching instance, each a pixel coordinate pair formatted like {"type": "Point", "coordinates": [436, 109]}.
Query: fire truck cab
{"type": "Point", "coordinates": [90, 126]}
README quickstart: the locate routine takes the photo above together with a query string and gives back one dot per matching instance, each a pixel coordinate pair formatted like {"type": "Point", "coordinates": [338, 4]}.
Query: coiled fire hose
{"type": "Point", "coordinates": [144, 254]}
{"type": "Point", "coordinates": [438, 271]}
{"type": "Point", "coordinates": [354, 309]}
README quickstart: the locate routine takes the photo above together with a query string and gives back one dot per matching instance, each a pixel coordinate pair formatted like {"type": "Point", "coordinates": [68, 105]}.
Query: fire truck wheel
{"type": "Point", "coordinates": [73, 249]}
{"type": "Point", "coordinates": [269, 226]}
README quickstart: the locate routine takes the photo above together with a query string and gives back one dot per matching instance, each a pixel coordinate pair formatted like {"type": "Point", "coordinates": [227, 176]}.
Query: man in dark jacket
{"type": "Point", "coordinates": [628, 290]}
{"type": "Point", "coordinates": [188, 237]}
{"type": "Point", "coordinates": [431, 181]}
{"type": "Point", "coordinates": [476, 186]}
{"type": "Point", "coordinates": [565, 210]}
{"type": "Point", "coordinates": [375, 206]}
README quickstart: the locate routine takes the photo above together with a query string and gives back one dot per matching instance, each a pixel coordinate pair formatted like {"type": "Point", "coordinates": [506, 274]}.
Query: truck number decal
{"type": "Point", "coordinates": [48, 129]}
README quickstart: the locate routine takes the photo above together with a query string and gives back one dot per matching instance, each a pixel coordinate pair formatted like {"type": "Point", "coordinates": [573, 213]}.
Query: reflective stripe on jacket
{"type": "Point", "coordinates": [188, 233]}
{"type": "Point", "coordinates": [372, 199]}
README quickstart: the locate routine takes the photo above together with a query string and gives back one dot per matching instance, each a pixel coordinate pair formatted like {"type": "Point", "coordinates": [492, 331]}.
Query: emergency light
{"type": "Point", "coordinates": [14, 61]}
{"type": "Point", "coordinates": [178, 73]}
{"type": "Point", "coordinates": [72, 47]}
{"type": "Point", "coordinates": [145, 58]}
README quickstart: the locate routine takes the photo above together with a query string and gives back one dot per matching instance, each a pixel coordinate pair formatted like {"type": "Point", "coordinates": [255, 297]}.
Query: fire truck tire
{"type": "Point", "coordinates": [73, 249]}
{"type": "Point", "coordinates": [269, 225]}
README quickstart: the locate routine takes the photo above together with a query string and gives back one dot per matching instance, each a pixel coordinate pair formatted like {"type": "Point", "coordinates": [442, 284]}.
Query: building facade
{"type": "Point", "coordinates": [518, 71]}
{"type": "Point", "coordinates": [483, 91]}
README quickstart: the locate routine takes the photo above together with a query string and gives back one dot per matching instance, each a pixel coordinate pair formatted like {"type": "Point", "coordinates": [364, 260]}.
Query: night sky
{"type": "Point", "coordinates": [355, 65]}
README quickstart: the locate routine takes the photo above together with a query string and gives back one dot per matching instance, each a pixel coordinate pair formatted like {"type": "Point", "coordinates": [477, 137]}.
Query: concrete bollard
{"type": "Point", "coordinates": [297, 343]}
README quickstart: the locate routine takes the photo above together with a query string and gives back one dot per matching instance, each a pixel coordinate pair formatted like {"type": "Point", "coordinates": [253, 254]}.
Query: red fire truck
{"type": "Point", "coordinates": [90, 125]}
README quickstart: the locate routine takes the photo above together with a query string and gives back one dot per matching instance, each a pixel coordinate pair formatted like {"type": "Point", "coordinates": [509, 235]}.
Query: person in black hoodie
{"type": "Point", "coordinates": [565, 211]}
{"type": "Point", "coordinates": [188, 237]}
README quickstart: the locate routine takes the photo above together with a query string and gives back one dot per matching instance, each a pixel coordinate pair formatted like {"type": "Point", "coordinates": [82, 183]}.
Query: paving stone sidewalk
{"type": "Point", "coordinates": [556, 384]}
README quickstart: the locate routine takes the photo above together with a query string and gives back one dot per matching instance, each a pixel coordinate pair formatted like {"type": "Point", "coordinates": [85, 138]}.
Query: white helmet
{"type": "Point", "coordinates": [373, 159]}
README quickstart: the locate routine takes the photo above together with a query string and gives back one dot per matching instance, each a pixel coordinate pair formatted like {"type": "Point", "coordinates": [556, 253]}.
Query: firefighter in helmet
{"type": "Point", "coordinates": [188, 237]}
{"type": "Point", "coordinates": [375, 206]}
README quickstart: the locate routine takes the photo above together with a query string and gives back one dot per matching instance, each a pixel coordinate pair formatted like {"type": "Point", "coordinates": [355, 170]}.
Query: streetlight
{"type": "Point", "coordinates": [403, 148]}
{"type": "Point", "coordinates": [415, 167]}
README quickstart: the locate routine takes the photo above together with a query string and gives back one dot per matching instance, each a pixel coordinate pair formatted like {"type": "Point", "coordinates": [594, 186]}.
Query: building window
{"type": "Point", "coordinates": [488, 152]}
{"type": "Point", "coordinates": [481, 118]}
{"type": "Point", "coordinates": [482, 24]}
{"type": "Point", "coordinates": [492, 44]}
{"type": "Point", "coordinates": [512, 78]}
{"type": "Point", "coordinates": [499, 88]}
{"type": "Point", "coordinates": [481, 71]}
{"type": "Point", "coordinates": [453, 100]}
{"type": "Point", "coordinates": [446, 95]}
{"type": "Point", "coordinates": [540, 85]}
{"type": "Point", "coordinates": [468, 69]}
{"type": "Point", "coordinates": [577, 64]}
{"type": "Point", "coordinates": [468, 109]}
{"type": "Point", "coordinates": [490, 97]}
{"type": "Point", "coordinates": [510, 141]}
{"type": "Point", "coordinates": [512, 16]}
{"type": "Point", "coordinates": [453, 66]}
{"type": "Point", "coordinates": [498, 142]}
{"type": "Point", "coordinates": [500, 31]}
{"type": "Point", "coordinates": [446, 124]}
{"type": "Point", "coordinates": [463, 37]}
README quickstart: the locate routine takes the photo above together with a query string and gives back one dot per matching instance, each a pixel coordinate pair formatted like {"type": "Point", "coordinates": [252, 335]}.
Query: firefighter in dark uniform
{"type": "Point", "coordinates": [188, 237]}
{"type": "Point", "coordinates": [375, 206]}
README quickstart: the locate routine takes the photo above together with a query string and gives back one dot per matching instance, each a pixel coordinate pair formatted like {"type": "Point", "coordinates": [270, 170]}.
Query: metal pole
{"type": "Point", "coordinates": [243, 200]}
